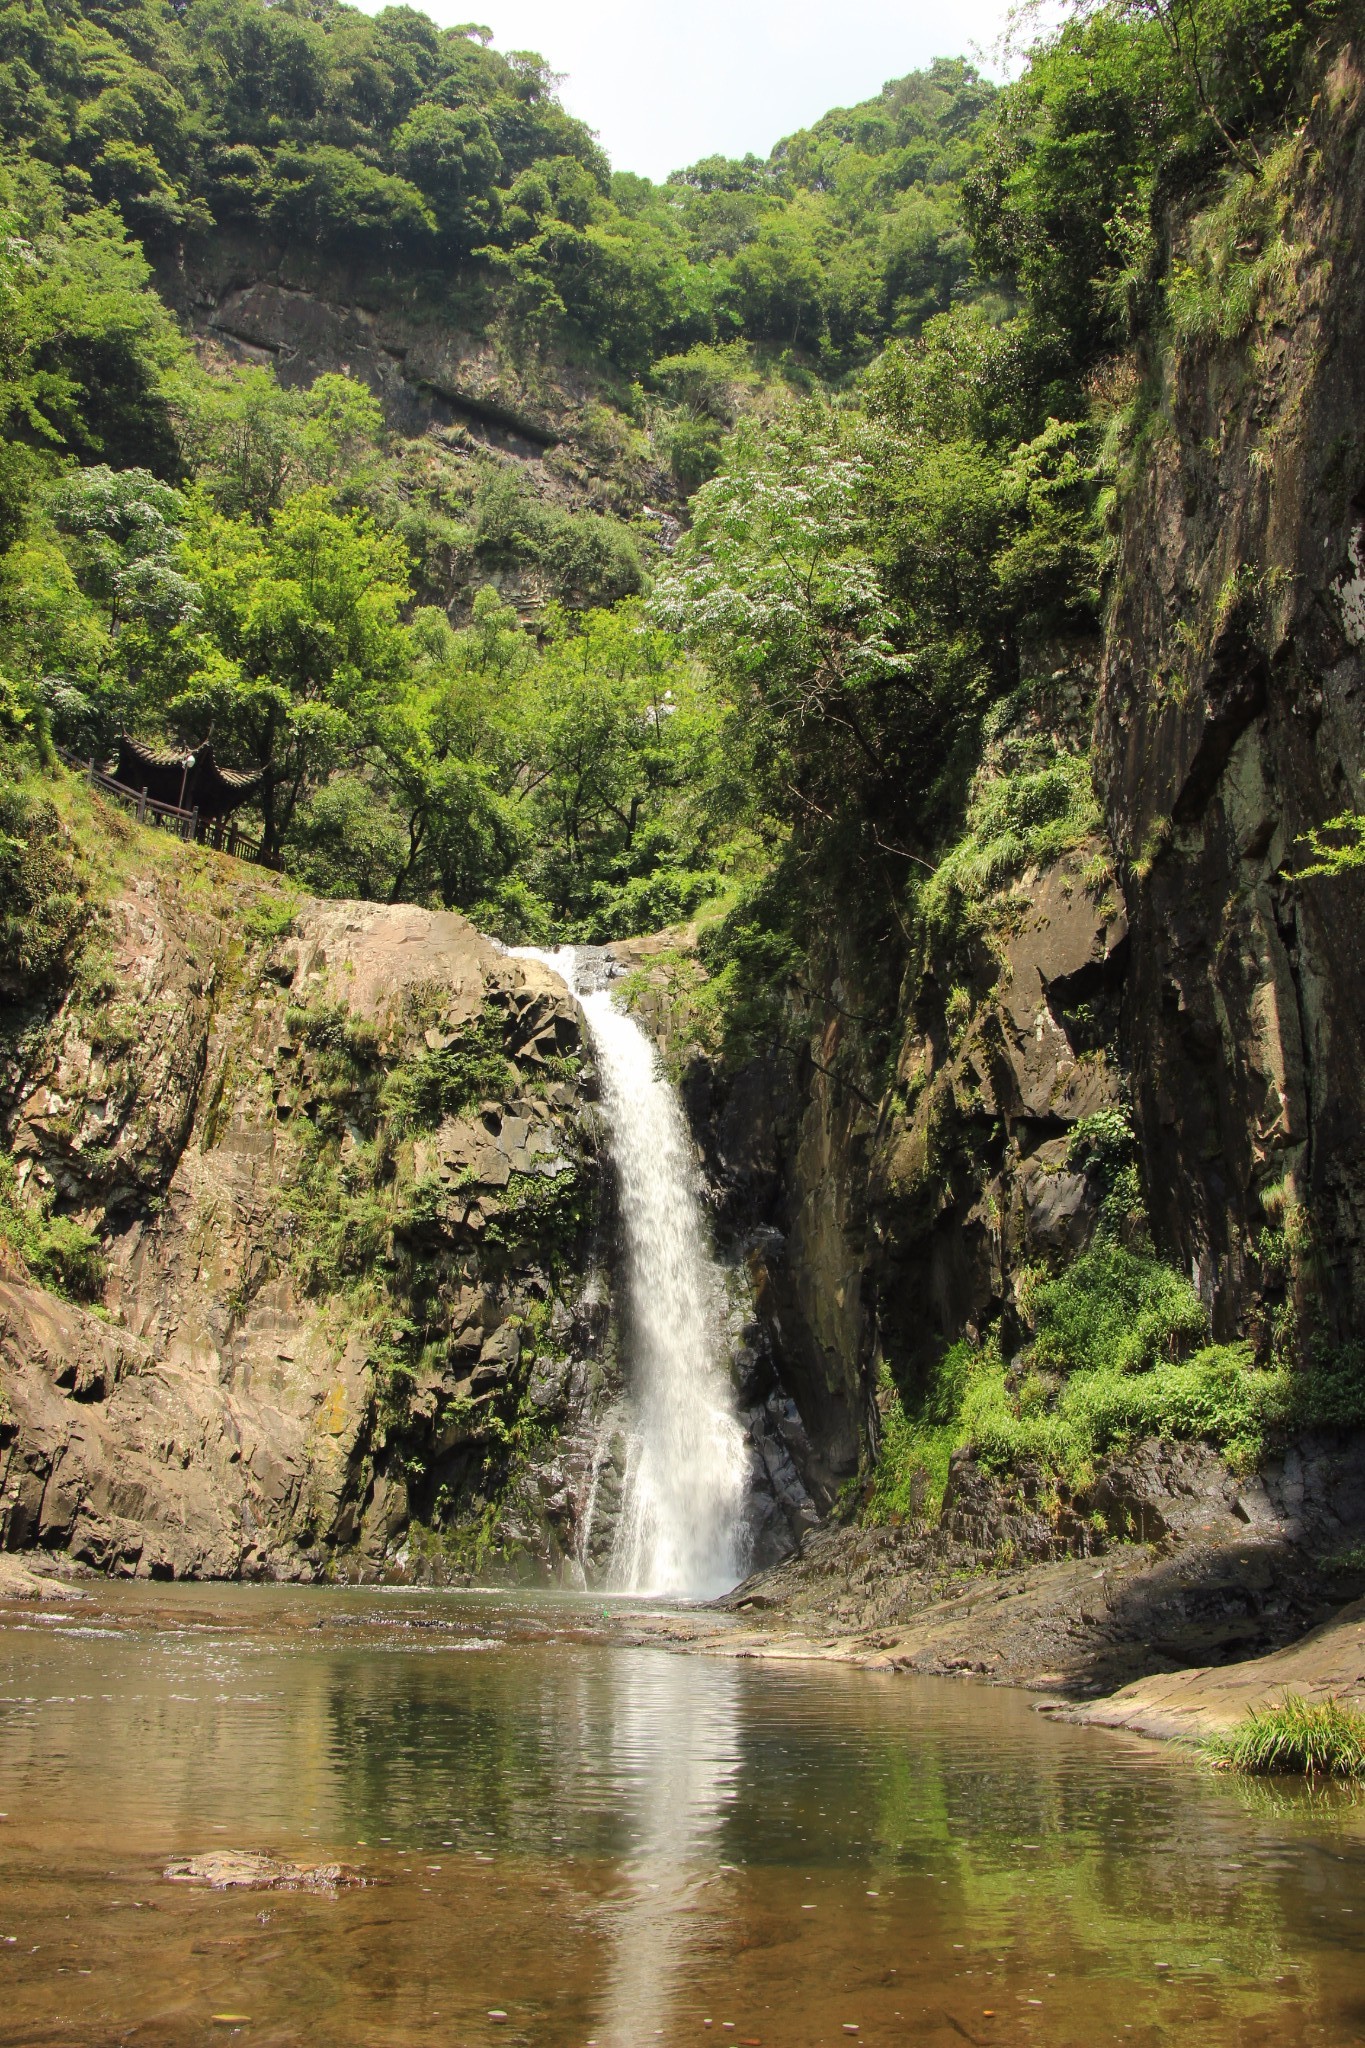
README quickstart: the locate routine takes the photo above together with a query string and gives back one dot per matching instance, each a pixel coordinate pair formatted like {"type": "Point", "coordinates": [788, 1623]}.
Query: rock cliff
{"type": "Point", "coordinates": [470, 393]}
{"type": "Point", "coordinates": [343, 1163]}
{"type": "Point", "coordinates": [900, 1182]}
{"type": "Point", "coordinates": [1229, 725]}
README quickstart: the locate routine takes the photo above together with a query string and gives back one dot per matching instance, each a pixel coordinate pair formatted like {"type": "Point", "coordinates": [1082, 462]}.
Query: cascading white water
{"type": "Point", "coordinates": [686, 1469]}
{"type": "Point", "coordinates": [681, 1527]}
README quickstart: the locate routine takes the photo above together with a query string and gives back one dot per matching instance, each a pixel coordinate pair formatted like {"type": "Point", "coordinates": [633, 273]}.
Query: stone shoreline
{"type": "Point", "coordinates": [949, 1640]}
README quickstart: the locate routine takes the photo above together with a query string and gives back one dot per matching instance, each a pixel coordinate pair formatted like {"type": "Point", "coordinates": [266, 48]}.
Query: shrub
{"type": "Point", "coordinates": [43, 909]}
{"type": "Point", "coordinates": [591, 559]}
{"type": "Point", "coordinates": [1310, 1738]}
{"type": "Point", "coordinates": [1118, 1310]}
{"type": "Point", "coordinates": [419, 1094]}
{"type": "Point", "coordinates": [1015, 821]}
{"type": "Point", "coordinates": [334, 197]}
{"type": "Point", "coordinates": [973, 1401]}
{"type": "Point", "coordinates": [56, 1251]}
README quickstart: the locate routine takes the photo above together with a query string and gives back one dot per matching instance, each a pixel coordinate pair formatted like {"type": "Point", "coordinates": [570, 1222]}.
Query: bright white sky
{"type": "Point", "coordinates": [665, 85]}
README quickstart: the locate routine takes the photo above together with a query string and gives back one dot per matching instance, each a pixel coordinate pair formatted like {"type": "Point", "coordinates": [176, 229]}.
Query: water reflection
{"type": "Point", "coordinates": [614, 1844]}
{"type": "Point", "coordinates": [675, 1737]}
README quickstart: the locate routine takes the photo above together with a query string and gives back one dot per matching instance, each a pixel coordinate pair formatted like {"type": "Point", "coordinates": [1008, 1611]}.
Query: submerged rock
{"type": "Point", "coordinates": [224, 1870]}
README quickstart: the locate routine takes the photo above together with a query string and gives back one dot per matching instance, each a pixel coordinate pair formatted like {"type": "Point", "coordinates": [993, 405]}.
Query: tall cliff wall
{"type": "Point", "coordinates": [344, 1165]}
{"type": "Point", "coordinates": [1229, 725]}
{"type": "Point", "coordinates": [1172, 969]}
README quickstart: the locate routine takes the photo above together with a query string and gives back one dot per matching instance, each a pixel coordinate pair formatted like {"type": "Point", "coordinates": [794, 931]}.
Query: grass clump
{"type": "Point", "coordinates": [1299, 1737]}
{"type": "Point", "coordinates": [1029, 817]}
{"type": "Point", "coordinates": [55, 1251]}
{"type": "Point", "coordinates": [1241, 258]}
{"type": "Point", "coordinates": [1115, 1310]}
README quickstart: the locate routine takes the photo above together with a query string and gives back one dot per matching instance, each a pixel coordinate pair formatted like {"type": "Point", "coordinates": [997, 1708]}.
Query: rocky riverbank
{"type": "Point", "coordinates": [1243, 1591]}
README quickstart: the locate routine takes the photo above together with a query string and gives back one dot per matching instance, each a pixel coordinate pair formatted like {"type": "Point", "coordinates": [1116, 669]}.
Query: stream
{"type": "Point", "coordinates": [614, 1844]}
{"type": "Point", "coordinates": [571, 1837]}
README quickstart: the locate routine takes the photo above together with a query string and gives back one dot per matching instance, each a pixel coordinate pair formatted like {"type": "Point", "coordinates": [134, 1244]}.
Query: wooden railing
{"type": "Point", "coordinates": [219, 833]}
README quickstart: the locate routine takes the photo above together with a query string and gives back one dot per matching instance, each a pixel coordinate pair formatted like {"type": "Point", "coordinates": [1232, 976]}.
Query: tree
{"type": "Point", "coordinates": [303, 646]}
{"type": "Point", "coordinates": [256, 443]}
{"type": "Point", "coordinates": [124, 531]}
{"type": "Point", "coordinates": [449, 154]}
{"type": "Point", "coordinates": [333, 198]}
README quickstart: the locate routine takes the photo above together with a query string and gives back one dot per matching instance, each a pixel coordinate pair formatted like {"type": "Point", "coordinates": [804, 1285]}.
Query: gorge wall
{"type": "Point", "coordinates": [1173, 967]}
{"type": "Point", "coordinates": [1229, 726]}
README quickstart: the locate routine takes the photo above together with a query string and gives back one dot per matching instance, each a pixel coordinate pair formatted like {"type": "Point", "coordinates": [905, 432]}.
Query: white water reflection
{"type": "Point", "coordinates": [675, 1737]}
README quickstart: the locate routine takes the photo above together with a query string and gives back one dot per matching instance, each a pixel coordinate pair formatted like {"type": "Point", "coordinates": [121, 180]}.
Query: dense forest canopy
{"type": "Point", "coordinates": [406, 148]}
{"type": "Point", "coordinates": [895, 367]}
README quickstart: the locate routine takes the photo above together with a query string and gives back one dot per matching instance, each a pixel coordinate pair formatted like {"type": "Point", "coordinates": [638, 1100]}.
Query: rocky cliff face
{"type": "Point", "coordinates": [356, 1212]}
{"type": "Point", "coordinates": [344, 1163]}
{"type": "Point", "coordinates": [1173, 965]}
{"type": "Point", "coordinates": [473, 394]}
{"type": "Point", "coordinates": [1230, 724]}
{"type": "Point", "coordinates": [880, 1222]}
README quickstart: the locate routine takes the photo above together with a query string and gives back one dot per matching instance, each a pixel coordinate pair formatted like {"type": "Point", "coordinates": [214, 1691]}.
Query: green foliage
{"type": "Point", "coordinates": [391, 144]}
{"type": "Point", "coordinates": [861, 583]}
{"type": "Point", "coordinates": [1120, 1351]}
{"type": "Point", "coordinates": [1298, 1737]}
{"type": "Point", "coordinates": [300, 641]}
{"type": "Point", "coordinates": [1239, 256]}
{"type": "Point", "coordinates": [1014, 822]}
{"type": "Point", "coordinates": [330, 197]}
{"type": "Point", "coordinates": [57, 1252]}
{"type": "Point", "coordinates": [589, 559]}
{"type": "Point", "coordinates": [420, 1093]}
{"type": "Point", "coordinates": [1336, 857]}
{"type": "Point", "coordinates": [44, 908]}
{"type": "Point", "coordinates": [1115, 1310]}
{"type": "Point", "coordinates": [1131, 102]}
{"type": "Point", "coordinates": [915, 1450]}
{"type": "Point", "coordinates": [754, 960]}
{"type": "Point", "coordinates": [184, 553]}
{"type": "Point", "coordinates": [1062, 1427]}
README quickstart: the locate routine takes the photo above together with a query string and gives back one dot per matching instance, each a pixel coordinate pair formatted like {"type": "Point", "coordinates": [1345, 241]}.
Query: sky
{"type": "Point", "coordinates": [665, 85]}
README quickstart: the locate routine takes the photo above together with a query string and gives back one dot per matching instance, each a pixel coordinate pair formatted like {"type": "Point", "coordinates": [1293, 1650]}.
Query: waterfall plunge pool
{"type": "Point", "coordinates": [619, 1845]}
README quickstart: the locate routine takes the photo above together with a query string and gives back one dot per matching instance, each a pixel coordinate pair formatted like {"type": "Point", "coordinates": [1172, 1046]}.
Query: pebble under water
{"type": "Point", "coordinates": [570, 1839]}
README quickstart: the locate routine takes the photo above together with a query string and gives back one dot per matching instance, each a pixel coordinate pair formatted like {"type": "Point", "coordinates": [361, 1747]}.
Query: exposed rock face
{"type": "Point", "coordinates": [1197, 1565]}
{"type": "Point", "coordinates": [480, 395]}
{"type": "Point", "coordinates": [1230, 724]}
{"type": "Point", "coordinates": [423, 372]}
{"type": "Point", "coordinates": [884, 1222]}
{"type": "Point", "coordinates": [347, 1182]}
{"type": "Point", "coordinates": [970, 1183]}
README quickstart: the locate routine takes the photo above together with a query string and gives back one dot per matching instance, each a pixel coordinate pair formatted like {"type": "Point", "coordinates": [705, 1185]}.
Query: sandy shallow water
{"type": "Point", "coordinates": [573, 1838]}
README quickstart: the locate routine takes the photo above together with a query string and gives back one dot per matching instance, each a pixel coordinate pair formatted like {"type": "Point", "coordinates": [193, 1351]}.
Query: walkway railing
{"type": "Point", "coordinates": [219, 833]}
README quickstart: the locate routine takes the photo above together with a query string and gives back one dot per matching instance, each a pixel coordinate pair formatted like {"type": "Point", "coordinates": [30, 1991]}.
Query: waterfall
{"type": "Point", "coordinates": [681, 1528]}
